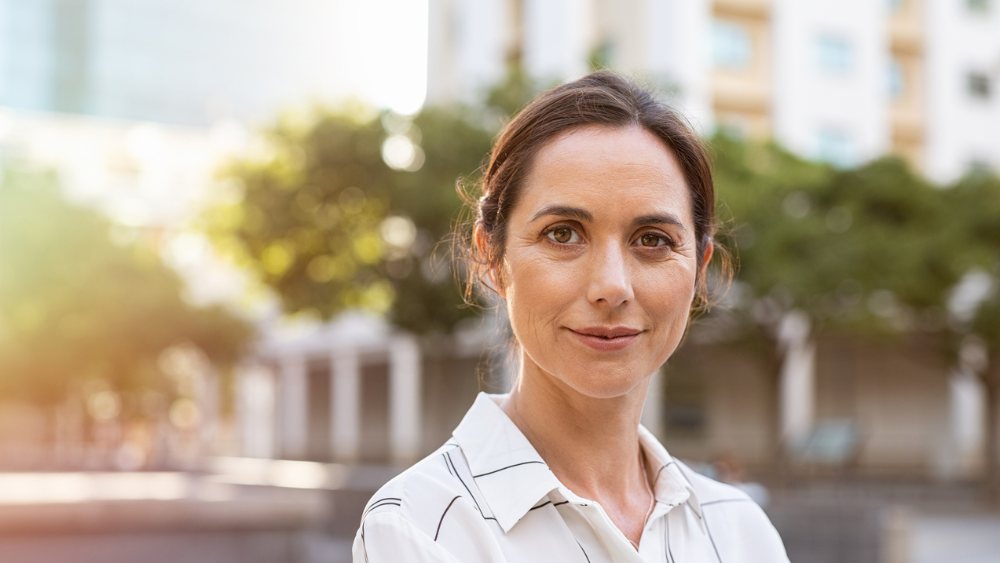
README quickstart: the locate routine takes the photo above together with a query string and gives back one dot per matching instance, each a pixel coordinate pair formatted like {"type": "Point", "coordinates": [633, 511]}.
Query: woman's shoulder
{"type": "Point", "coordinates": [425, 482]}
{"type": "Point", "coordinates": [710, 491]}
{"type": "Point", "coordinates": [406, 517]}
{"type": "Point", "coordinates": [735, 519]}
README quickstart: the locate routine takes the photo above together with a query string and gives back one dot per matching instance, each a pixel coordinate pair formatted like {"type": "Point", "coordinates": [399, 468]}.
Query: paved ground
{"type": "Point", "coordinates": [255, 511]}
{"type": "Point", "coordinates": [956, 539]}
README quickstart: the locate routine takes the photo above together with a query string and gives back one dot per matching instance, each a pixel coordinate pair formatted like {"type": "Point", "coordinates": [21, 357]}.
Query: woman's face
{"type": "Point", "coordinates": [600, 264]}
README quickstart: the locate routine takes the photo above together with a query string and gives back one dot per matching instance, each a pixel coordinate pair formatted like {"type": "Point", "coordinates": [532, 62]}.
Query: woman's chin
{"type": "Point", "coordinates": [593, 382]}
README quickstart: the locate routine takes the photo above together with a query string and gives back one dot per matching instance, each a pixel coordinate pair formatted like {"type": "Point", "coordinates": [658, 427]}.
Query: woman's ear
{"type": "Point", "coordinates": [709, 250]}
{"type": "Point", "coordinates": [488, 274]}
{"type": "Point", "coordinates": [479, 241]}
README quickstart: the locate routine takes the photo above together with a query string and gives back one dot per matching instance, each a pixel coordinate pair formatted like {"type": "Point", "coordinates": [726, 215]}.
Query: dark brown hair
{"type": "Point", "coordinates": [601, 98]}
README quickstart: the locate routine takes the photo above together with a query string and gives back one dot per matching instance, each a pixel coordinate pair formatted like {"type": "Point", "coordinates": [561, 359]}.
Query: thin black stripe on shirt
{"type": "Point", "coordinates": [504, 468]}
{"type": "Point", "coordinates": [380, 506]}
{"type": "Point", "coordinates": [584, 551]}
{"type": "Point", "coordinates": [660, 470]}
{"type": "Point", "coordinates": [666, 538]}
{"type": "Point", "coordinates": [462, 481]}
{"type": "Point", "coordinates": [709, 530]}
{"type": "Point", "coordinates": [711, 539]}
{"type": "Point", "coordinates": [548, 502]}
{"type": "Point", "coordinates": [711, 502]}
{"type": "Point", "coordinates": [442, 516]}
{"type": "Point", "coordinates": [684, 474]}
{"type": "Point", "coordinates": [376, 504]}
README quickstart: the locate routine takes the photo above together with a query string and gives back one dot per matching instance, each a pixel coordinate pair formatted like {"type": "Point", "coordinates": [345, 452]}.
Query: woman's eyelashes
{"type": "Point", "coordinates": [654, 240]}
{"type": "Point", "coordinates": [565, 235]}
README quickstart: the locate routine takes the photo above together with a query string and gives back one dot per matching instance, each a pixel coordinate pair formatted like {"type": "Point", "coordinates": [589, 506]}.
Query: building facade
{"type": "Point", "coordinates": [185, 62]}
{"type": "Point", "coordinates": [842, 82]}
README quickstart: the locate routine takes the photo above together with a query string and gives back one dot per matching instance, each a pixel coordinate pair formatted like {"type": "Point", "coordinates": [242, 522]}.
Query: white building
{"type": "Point", "coordinates": [829, 94]}
{"type": "Point", "coordinates": [841, 81]}
{"type": "Point", "coordinates": [184, 62]}
{"type": "Point", "coordinates": [963, 77]}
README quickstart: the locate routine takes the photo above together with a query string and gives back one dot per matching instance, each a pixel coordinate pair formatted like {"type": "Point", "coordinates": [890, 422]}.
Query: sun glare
{"type": "Point", "coordinates": [386, 42]}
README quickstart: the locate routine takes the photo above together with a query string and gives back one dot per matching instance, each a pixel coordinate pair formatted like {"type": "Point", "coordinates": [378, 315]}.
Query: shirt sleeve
{"type": "Point", "coordinates": [389, 538]}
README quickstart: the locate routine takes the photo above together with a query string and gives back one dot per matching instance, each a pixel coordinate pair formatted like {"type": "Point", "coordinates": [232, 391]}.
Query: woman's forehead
{"type": "Point", "coordinates": [620, 168]}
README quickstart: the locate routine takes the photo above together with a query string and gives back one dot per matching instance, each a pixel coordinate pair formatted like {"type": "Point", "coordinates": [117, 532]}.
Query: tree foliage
{"type": "Point", "coordinates": [871, 248]}
{"type": "Point", "coordinates": [74, 306]}
{"type": "Point", "coordinates": [330, 226]}
{"type": "Point", "coordinates": [977, 199]}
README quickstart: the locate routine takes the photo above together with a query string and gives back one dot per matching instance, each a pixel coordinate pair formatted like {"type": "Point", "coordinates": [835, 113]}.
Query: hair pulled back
{"type": "Point", "coordinates": [601, 98]}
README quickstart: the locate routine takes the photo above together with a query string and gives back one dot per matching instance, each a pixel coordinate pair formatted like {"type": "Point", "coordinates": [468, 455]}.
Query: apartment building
{"type": "Point", "coordinates": [841, 81]}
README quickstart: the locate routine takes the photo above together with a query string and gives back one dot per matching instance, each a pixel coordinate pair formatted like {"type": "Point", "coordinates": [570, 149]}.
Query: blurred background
{"type": "Point", "coordinates": [228, 311]}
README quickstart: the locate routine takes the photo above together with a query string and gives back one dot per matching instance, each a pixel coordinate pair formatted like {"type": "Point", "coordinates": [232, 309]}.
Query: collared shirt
{"type": "Point", "coordinates": [486, 496]}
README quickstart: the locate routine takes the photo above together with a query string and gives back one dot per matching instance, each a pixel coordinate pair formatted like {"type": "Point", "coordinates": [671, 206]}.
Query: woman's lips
{"type": "Point", "coordinates": [606, 339]}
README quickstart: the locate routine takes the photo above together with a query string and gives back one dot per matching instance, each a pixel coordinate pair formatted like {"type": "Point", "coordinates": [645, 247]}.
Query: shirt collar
{"type": "Point", "coordinates": [505, 466]}
{"type": "Point", "coordinates": [513, 478]}
{"type": "Point", "coordinates": [670, 487]}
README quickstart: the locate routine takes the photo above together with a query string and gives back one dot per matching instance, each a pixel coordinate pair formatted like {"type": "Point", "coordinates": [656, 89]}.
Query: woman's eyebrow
{"type": "Point", "coordinates": [563, 211]}
{"type": "Point", "coordinates": [666, 219]}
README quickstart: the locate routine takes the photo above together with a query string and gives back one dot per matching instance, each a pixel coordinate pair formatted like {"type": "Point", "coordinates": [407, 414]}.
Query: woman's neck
{"type": "Point", "coordinates": [590, 444]}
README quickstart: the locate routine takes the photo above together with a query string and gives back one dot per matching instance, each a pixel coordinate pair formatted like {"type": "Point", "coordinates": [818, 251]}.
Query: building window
{"type": "Point", "coordinates": [833, 54]}
{"type": "Point", "coordinates": [896, 80]}
{"type": "Point", "coordinates": [730, 45]}
{"type": "Point", "coordinates": [978, 6]}
{"type": "Point", "coordinates": [835, 147]}
{"type": "Point", "coordinates": [978, 85]}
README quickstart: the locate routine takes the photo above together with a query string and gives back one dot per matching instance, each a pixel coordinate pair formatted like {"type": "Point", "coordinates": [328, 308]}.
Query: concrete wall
{"type": "Point", "coordinates": [735, 391]}
{"type": "Point", "coordinates": [897, 394]}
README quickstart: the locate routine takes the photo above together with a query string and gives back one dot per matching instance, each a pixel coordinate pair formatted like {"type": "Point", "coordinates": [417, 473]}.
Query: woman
{"type": "Point", "coordinates": [595, 227]}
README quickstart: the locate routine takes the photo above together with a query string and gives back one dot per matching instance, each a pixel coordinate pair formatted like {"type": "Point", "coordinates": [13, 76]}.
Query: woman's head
{"type": "Point", "coordinates": [601, 98]}
{"type": "Point", "coordinates": [595, 226]}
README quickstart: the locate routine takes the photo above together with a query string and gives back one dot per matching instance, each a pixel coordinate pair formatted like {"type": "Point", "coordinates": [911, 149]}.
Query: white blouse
{"type": "Point", "coordinates": [486, 496]}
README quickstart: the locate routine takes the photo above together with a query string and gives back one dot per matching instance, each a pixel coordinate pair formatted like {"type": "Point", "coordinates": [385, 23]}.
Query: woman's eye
{"type": "Point", "coordinates": [652, 240]}
{"type": "Point", "coordinates": [563, 235]}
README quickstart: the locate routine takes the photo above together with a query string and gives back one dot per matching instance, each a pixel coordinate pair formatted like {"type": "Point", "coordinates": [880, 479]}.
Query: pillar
{"type": "Point", "coordinates": [404, 399]}
{"type": "Point", "coordinates": [256, 404]}
{"type": "Point", "coordinates": [294, 404]}
{"type": "Point", "coordinates": [797, 386]}
{"type": "Point", "coordinates": [345, 413]}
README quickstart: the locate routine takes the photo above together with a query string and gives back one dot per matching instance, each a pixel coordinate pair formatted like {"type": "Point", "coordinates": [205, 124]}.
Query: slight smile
{"type": "Point", "coordinates": [606, 339]}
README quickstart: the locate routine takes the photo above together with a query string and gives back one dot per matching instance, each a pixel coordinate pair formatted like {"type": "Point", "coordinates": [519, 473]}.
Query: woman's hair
{"type": "Point", "coordinates": [601, 98]}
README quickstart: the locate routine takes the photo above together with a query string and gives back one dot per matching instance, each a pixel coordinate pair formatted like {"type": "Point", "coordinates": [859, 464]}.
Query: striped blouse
{"type": "Point", "coordinates": [486, 496]}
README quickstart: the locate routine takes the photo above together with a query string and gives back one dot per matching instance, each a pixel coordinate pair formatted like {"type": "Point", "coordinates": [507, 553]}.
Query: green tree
{"type": "Point", "coordinates": [329, 225]}
{"type": "Point", "coordinates": [74, 306]}
{"type": "Point", "coordinates": [871, 249]}
{"type": "Point", "coordinates": [976, 199]}
{"type": "Point", "coordinates": [870, 252]}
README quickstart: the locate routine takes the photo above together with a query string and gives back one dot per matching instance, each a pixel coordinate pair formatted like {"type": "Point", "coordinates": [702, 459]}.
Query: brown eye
{"type": "Point", "coordinates": [649, 239]}
{"type": "Point", "coordinates": [563, 235]}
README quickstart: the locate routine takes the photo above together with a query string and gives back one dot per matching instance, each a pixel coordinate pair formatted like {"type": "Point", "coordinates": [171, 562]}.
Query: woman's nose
{"type": "Point", "coordinates": [610, 282]}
